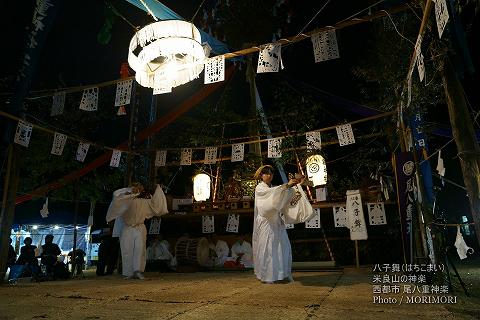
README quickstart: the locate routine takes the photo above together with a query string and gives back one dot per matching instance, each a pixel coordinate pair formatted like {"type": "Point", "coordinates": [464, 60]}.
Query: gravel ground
{"type": "Point", "coordinates": [343, 294]}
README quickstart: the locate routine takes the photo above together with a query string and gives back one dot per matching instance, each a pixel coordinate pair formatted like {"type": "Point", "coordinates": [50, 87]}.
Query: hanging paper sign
{"type": "Point", "coordinates": [208, 224]}
{"type": "Point", "coordinates": [269, 58]}
{"type": "Point", "coordinates": [289, 226]}
{"type": "Point", "coordinates": [186, 157]}
{"type": "Point", "coordinates": [155, 225]}
{"type": "Point", "coordinates": [325, 46]}
{"type": "Point", "coordinates": [124, 93]}
{"type": "Point", "coordinates": [314, 222]}
{"type": "Point", "coordinates": [115, 160]}
{"type": "Point", "coordinates": [340, 216]}
{"type": "Point", "coordinates": [214, 69]}
{"type": "Point", "coordinates": [376, 213]}
{"type": "Point", "coordinates": [355, 218]}
{"type": "Point", "coordinates": [44, 211]}
{"type": "Point", "coordinates": [238, 152]}
{"type": "Point", "coordinates": [23, 133]}
{"type": "Point", "coordinates": [89, 99]}
{"type": "Point", "coordinates": [160, 158]}
{"type": "Point", "coordinates": [82, 151]}
{"type": "Point", "coordinates": [59, 141]}
{"type": "Point", "coordinates": [420, 66]}
{"type": "Point", "coordinates": [274, 150]}
{"type": "Point", "coordinates": [440, 167]}
{"type": "Point", "coordinates": [441, 14]}
{"type": "Point", "coordinates": [58, 103]}
{"type": "Point", "coordinates": [210, 155]}
{"type": "Point", "coordinates": [345, 134]}
{"type": "Point", "coordinates": [233, 222]}
{"type": "Point", "coordinates": [314, 140]}
{"type": "Point", "coordinates": [321, 193]}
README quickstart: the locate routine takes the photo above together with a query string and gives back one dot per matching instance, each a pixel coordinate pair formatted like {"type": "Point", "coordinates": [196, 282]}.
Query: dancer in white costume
{"type": "Point", "coordinates": [272, 254]}
{"type": "Point", "coordinates": [130, 207]}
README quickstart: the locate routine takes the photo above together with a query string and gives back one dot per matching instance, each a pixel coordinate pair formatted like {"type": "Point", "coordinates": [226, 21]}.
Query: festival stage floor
{"type": "Point", "coordinates": [343, 294]}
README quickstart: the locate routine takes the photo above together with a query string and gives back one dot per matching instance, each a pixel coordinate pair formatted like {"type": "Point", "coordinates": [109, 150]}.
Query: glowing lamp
{"type": "Point", "coordinates": [317, 170]}
{"type": "Point", "coordinates": [201, 187]}
{"type": "Point", "coordinates": [166, 54]}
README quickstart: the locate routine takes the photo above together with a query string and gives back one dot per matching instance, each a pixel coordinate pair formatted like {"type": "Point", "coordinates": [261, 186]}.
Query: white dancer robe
{"type": "Point", "coordinates": [130, 214]}
{"type": "Point", "coordinates": [246, 249]}
{"type": "Point", "coordinates": [222, 251]}
{"type": "Point", "coordinates": [272, 254]}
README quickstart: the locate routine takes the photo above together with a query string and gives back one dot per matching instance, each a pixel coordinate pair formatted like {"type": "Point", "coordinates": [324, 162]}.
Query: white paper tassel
{"type": "Point", "coordinates": [376, 213]}
{"type": "Point", "coordinates": [274, 150]}
{"type": "Point", "coordinates": [44, 211]}
{"type": "Point", "coordinates": [233, 222]}
{"type": "Point", "coordinates": [89, 99]}
{"type": "Point", "coordinates": [23, 133]}
{"type": "Point", "coordinates": [440, 166]}
{"type": "Point", "coordinates": [314, 140]}
{"type": "Point", "coordinates": [59, 141]}
{"type": "Point", "coordinates": [214, 69]}
{"type": "Point", "coordinates": [345, 135]}
{"type": "Point", "coordinates": [210, 155]}
{"type": "Point", "coordinates": [340, 216]}
{"type": "Point", "coordinates": [314, 222]}
{"type": "Point", "coordinates": [208, 224]}
{"type": "Point", "coordinates": [58, 103]}
{"type": "Point", "coordinates": [186, 157]}
{"type": "Point", "coordinates": [124, 93]}
{"type": "Point", "coordinates": [238, 152]}
{"type": "Point", "coordinates": [441, 13]}
{"type": "Point", "coordinates": [90, 215]}
{"type": "Point", "coordinates": [355, 218]}
{"type": "Point", "coordinates": [115, 160]}
{"type": "Point", "coordinates": [420, 66]}
{"type": "Point", "coordinates": [269, 58]}
{"type": "Point", "coordinates": [155, 225]}
{"type": "Point", "coordinates": [321, 193]}
{"type": "Point", "coordinates": [160, 158]}
{"type": "Point", "coordinates": [325, 46]}
{"type": "Point", "coordinates": [82, 151]}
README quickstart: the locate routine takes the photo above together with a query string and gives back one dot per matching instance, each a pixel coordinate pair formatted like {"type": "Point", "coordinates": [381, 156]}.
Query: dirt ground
{"type": "Point", "coordinates": [343, 294]}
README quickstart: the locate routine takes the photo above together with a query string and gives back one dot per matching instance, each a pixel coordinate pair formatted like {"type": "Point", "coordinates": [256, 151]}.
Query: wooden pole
{"type": "Point", "coordinates": [357, 259]}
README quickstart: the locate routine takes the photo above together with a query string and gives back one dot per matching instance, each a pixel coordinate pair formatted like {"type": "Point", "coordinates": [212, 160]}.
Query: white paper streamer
{"type": "Point", "coordinates": [274, 148]}
{"type": "Point", "coordinates": [186, 157]}
{"type": "Point", "coordinates": [115, 160]}
{"type": "Point", "coordinates": [340, 216]}
{"type": "Point", "coordinates": [23, 133]}
{"type": "Point", "coordinates": [210, 155]}
{"type": "Point", "coordinates": [238, 152]}
{"type": "Point", "coordinates": [269, 58]}
{"type": "Point", "coordinates": [441, 14]}
{"type": "Point", "coordinates": [59, 141]}
{"type": "Point", "coordinates": [325, 46]}
{"type": "Point", "coordinates": [124, 93]}
{"type": "Point", "coordinates": [233, 222]}
{"type": "Point", "coordinates": [160, 158]}
{"type": "Point", "coordinates": [208, 224]}
{"type": "Point", "coordinates": [214, 69]}
{"type": "Point", "coordinates": [89, 99]}
{"type": "Point", "coordinates": [314, 140]}
{"type": "Point", "coordinates": [314, 222]}
{"type": "Point", "coordinates": [345, 134]}
{"type": "Point", "coordinates": [376, 213]}
{"type": "Point", "coordinates": [58, 103]}
{"type": "Point", "coordinates": [82, 151]}
{"type": "Point", "coordinates": [155, 225]}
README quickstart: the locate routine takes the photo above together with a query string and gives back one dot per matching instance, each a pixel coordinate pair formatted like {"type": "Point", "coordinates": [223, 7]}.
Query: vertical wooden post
{"type": "Point", "coordinates": [357, 259]}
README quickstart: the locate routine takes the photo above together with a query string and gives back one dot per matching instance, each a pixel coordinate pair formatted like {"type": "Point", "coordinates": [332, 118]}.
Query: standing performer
{"type": "Point", "coordinates": [130, 207]}
{"type": "Point", "coordinates": [272, 254]}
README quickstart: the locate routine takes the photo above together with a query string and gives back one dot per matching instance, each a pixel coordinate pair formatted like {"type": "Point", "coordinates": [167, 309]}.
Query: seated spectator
{"type": "Point", "coordinates": [242, 252]}
{"type": "Point", "coordinates": [12, 255]}
{"type": "Point", "coordinates": [220, 250]}
{"type": "Point", "coordinates": [50, 252]}
{"type": "Point", "coordinates": [79, 258]}
{"type": "Point", "coordinates": [159, 251]}
{"type": "Point", "coordinates": [27, 253]}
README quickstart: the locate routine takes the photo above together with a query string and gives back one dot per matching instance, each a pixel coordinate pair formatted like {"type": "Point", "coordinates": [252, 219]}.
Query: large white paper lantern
{"type": "Point", "coordinates": [201, 187]}
{"type": "Point", "coordinates": [166, 54]}
{"type": "Point", "coordinates": [317, 170]}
